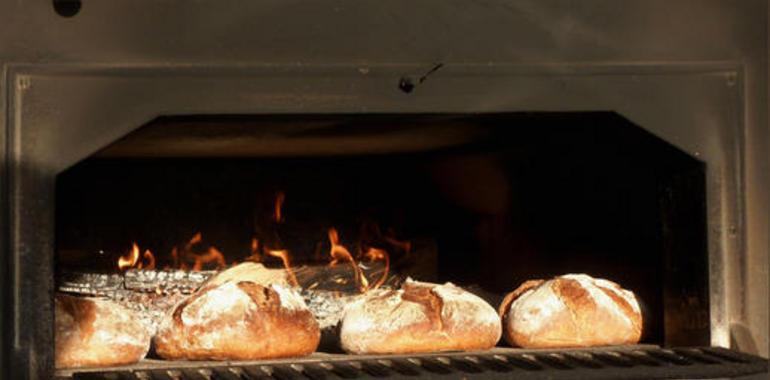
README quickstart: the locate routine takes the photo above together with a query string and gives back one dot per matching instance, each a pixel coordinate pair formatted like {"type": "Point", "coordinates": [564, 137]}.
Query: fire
{"type": "Point", "coordinates": [128, 261]}
{"type": "Point", "coordinates": [284, 256]}
{"type": "Point", "coordinates": [339, 253]}
{"type": "Point", "coordinates": [132, 259]}
{"type": "Point", "coordinates": [192, 255]}
{"type": "Point", "coordinates": [184, 258]}
{"type": "Point", "coordinates": [212, 255]}
{"type": "Point", "coordinates": [375, 254]}
{"type": "Point", "coordinates": [150, 260]}
{"type": "Point", "coordinates": [279, 199]}
{"type": "Point", "coordinates": [255, 256]}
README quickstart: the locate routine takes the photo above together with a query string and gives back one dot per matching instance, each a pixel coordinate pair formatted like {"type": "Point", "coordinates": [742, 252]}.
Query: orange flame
{"type": "Point", "coordinates": [150, 260]}
{"type": "Point", "coordinates": [339, 253]}
{"type": "Point", "coordinates": [194, 240]}
{"type": "Point", "coordinates": [211, 255]}
{"type": "Point", "coordinates": [255, 256]}
{"type": "Point", "coordinates": [284, 256]}
{"type": "Point", "coordinates": [183, 257]}
{"type": "Point", "coordinates": [374, 254]}
{"type": "Point", "coordinates": [130, 259]}
{"type": "Point", "coordinates": [178, 263]}
{"type": "Point", "coordinates": [279, 199]}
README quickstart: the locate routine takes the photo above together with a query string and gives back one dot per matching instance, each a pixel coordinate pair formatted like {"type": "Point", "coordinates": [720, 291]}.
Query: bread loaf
{"type": "Point", "coordinates": [252, 272]}
{"type": "Point", "coordinates": [238, 320]}
{"type": "Point", "coordinates": [419, 317]}
{"type": "Point", "coordinates": [573, 310]}
{"type": "Point", "coordinates": [92, 332]}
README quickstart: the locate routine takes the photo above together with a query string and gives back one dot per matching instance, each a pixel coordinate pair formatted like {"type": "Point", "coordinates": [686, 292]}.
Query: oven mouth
{"type": "Point", "coordinates": [584, 192]}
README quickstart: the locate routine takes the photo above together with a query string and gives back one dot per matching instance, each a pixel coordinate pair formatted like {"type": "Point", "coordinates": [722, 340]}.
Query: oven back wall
{"type": "Point", "coordinates": [149, 34]}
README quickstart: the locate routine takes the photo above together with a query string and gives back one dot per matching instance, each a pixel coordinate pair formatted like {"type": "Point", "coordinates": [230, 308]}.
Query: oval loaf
{"type": "Point", "coordinates": [573, 310]}
{"type": "Point", "coordinates": [419, 317]}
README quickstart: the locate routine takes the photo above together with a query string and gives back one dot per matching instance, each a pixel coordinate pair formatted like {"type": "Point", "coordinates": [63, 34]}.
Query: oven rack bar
{"type": "Point", "coordinates": [631, 362]}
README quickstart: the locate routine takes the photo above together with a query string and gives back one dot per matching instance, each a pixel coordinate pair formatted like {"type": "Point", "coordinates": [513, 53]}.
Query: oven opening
{"type": "Point", "coordinates": [348, 204]}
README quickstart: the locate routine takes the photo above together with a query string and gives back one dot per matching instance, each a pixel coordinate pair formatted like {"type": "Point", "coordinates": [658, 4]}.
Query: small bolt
{"type": "Point", "coordinates": [406, 85]}
{"type": "Point", "coordinates": [731, 79]}
{"type": "Point", "coordinates": [23, 82]}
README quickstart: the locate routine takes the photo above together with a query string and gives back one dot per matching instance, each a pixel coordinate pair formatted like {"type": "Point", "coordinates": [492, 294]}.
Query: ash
{"type": "Point", "coordinates": [152, 293]}
{"type": "Point", "coordinates": [155, 293]}
{"type": "Point", "coordinates": [326, 306]}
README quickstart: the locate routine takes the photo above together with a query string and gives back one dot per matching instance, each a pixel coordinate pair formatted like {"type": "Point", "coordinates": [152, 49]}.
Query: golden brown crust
{"type": "Point", "coordinates": [431, 303]}
{"type": "Point", "coordinates": [262, 326]}
{"type": "Point", "coordinates": [420, 317]}
{"type": "Point", "coordinates": [97, 333]}
{"type": "Point", "coordinates": [571, 311]}
{"type": "Point", "coordinates": [514, 295]}
{"type": "Point", "coordinates": [627, 309]}
{"type": "Point", "coordinates": [505, 306]}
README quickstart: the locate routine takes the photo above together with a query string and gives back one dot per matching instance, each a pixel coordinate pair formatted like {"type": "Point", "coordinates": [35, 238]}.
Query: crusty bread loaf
{"type": "Point", "coordinates": [92, 332]}
{"type": "Point", "coordinates": [238, 320]}
{"type": "Point", "coordinates": [419, 317]}
{"type": "Point", "coordinates": [252, 272]}
{"type": "Point", "coordinates": [573, 310]}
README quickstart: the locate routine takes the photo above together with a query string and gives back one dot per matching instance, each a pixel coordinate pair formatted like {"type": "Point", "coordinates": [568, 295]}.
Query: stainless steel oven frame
{"type": "Point", "coordinates": [694, 74]}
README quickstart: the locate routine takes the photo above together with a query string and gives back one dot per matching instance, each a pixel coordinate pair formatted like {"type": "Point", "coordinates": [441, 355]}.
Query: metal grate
{"type": "Point", "coordinates": [641, 362]}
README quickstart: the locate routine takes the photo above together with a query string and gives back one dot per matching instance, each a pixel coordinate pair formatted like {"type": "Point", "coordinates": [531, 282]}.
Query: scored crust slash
{"type": "Point", "coordinates": [571, 311]}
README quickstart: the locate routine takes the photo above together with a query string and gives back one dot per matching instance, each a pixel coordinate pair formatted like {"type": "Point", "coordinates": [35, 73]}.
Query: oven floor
{"type": "Point", "coordinates": [617, 362]}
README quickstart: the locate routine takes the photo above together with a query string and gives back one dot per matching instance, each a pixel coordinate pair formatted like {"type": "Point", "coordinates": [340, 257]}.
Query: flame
{"type": "Point", "coordinates": [255, 256]}
{"type": "Point", "coordinates": [178, 263]}
{"type": "Point", "coordinates": [150, 260]}
{"type": "Point", "coordinates": [130, 259]}
{"type": "Point", "coordinates": [183, 257]}
{"type": "Point", "coordinates": [284, 256]}
{"type": "Point", "coordinates": [339, 253]}
{"type": "Point", "coordinates": [279, 199]}
{"type": "Point", "coordinates": [194, 240]}
{"type": "Point", "coordinates": [375, 254]}
{"type": "Point", "coordinates": [211, 255]}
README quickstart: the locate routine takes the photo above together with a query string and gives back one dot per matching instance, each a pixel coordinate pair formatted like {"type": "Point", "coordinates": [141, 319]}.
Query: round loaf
{"type": "Point", "coordinates": [573, 310]}
{"type": "Point", "coordinates": [92, 332]}
{"type": "Point", "coordinates": [419, 317]}
{"type": "Point", "coordinates": [250, 271]}
{"type": "Point", "coordinates": [238, 320]}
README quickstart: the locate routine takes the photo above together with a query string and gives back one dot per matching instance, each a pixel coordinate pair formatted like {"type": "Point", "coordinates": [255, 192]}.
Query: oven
{"type": "Point", "coordinates": [484, 143]}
